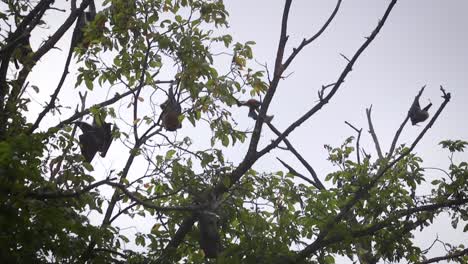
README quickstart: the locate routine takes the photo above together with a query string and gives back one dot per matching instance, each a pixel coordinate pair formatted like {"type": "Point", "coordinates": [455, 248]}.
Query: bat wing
{"type": "Point", "coordinates": [106, 139]}
{"type": "Point", "coordinates": [252, 113]}
{"type": "Point", "coordinates": [210, 240]}
{"type": "Point", "coordinates": [85, 127]}
{"type": "Point", "coordinates": [77, 36]}
{"type": "Point", "coordinates": [89, 146]}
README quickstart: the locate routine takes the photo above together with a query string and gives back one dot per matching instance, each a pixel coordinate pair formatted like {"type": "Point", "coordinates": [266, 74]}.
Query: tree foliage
{"type": "Point", "coordinates": [139, 52]}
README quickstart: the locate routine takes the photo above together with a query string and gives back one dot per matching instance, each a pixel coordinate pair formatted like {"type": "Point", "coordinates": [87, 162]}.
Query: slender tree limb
{"type": "Point", "coordinates": [372, 132]}
{"type": "Point", "coordinates": [450, 256]}
{"type": "Point", "coordinates": [66, 194]}
{"type": "Point", "coordinates": [306, 42]}
{"type": "Point", "coordinates": [26, 26]}
{"type": "Point", "coordinates": [137, 93]}
{"type": "Point", "coordinates": [136, 203]}
{"type": "Point", "coordinates": [389, 222]}
{"type": "Point", "coordinates": [278, 71]}
{"type": "Point", "coordinates": [12, 40]}
{"type": "Point", "coordinates": [122, 255]}
{"type": "Point", "coordinates": [371, 229]}
{"type": "Point", "coordinates": [317, 183]}
{"type": "Point", "coordinates": [295, 173]}
{"type": "Point", "coordinates": [358, 156]}
{"type": "Point", "coordinates": [144, 203]}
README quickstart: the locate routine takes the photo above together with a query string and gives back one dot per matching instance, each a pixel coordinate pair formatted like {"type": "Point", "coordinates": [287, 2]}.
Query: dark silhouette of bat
{"type": "Point", "coordinates": [95, 138]}
{"type": "Point", "coordinates": [22, 53]}
{"type": "Point", "coordinates": [417, 114]}
{"type": "Point", "coordinates": [254, 106]}
{"type": "Point", "coordinates": [209, 240]}
{"type": "Point", "coordinates": [171, 110]}
{"type": "Point", "coordinates": [84, 19]}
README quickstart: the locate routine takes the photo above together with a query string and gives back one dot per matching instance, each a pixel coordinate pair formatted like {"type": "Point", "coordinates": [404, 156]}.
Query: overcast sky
{"type": "Point", "coordinates": [424, 42]}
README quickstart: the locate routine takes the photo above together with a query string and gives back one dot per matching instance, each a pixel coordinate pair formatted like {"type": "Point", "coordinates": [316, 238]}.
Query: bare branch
{"type": "Point", "coordinates": [295, 173]}
{"type": "Point", "coordinates": [317, 183]}
{"type": "Point", "coordinates": [66, 194]}
{"type": "Point", "coordinates": [140, 201]}
{"type": "Point", "coordinates": [391, 221]}
{"type": "Point", "coordinates": [372, 132]}
{"type": "Point", "coordinates": [357, 141]}
{"type": "Point", "coordinates": [306, 42]}
{"type": "Point", "coordinates": [450, 256]}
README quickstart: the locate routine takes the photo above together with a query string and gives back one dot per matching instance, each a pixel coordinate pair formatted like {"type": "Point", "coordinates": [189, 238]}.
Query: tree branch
{"type": "Point", "coordinates": [450, 256]}
{"type": "Point", "coordinates": [372, 132]}
{"type": "Point", "coordinates": [357, 141]}
{"type": "Point", "coordinates": [306, 42]}
{"type": "Point", "coordinates": [295, 173]}
{"type": "Point", "coordinates": [317, 183]}
{"type": "Point", "coordinates": [66, 194]}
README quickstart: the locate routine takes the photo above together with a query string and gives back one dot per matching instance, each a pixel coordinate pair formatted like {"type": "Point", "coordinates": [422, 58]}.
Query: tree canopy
{"type": "Point", "coordinates": [154, 84]}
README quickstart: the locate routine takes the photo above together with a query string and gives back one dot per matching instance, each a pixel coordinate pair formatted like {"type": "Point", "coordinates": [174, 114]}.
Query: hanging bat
{"type": "Point", "coordinates": [83, 20]}
{"type": "Point", "coordinates": [22, 54]}
{"type": "Point", "coordinates": [171, 110]}
{"type": "Point", "coordinates": [209, 240]}
{"type": "Point", "coordinates": [417, 114]}
{"type": "Point", "coordinates": [95, 138]}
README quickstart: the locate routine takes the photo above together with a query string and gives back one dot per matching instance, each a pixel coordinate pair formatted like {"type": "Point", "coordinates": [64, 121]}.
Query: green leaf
{"type": "Point", "coordinates": [88, 166]}
{"type": "Point", "coordinates": [170, 154]}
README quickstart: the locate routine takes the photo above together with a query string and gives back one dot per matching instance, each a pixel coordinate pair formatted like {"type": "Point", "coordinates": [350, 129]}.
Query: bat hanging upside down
{"type": "Point", "coordinates": [171, 110]}
{"type": "Point", "coordinates": [96, 137]}
{"type": "Point", "coordinates": [417, 114]}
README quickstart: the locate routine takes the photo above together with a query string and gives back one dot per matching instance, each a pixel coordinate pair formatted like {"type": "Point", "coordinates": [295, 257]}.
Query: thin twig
{"type": "Point", "coordinates": [318, 184]}
{"type": "Point", "coordinates": [66, 194]}
{"type": "Point", "coordinates": [306, 42]}
{"type": "Point", "coordinates": [295, 173]}
{"type": "Point", "coordinates": [144, 203]}
{"type": "Point", "coordinates": [372, 132]}
{"type": "Point", "coordinates": [450, 256]}
{"type": "Point", "coordinates": [357, 141]}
